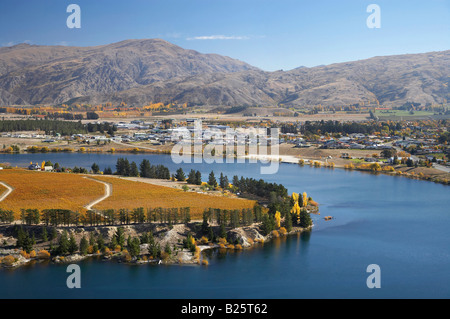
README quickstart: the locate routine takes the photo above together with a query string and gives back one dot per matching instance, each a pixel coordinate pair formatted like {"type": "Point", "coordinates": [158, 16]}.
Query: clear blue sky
{"type": "Point", "coordinates": [269, 34]}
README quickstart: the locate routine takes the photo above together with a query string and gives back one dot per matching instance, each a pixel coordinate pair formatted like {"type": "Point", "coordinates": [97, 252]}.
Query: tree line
{"type": "Point", "coordinates": [65, 217]}
{"type": "Point", "coordinates": [146, 169]}
{"type": "Point", "coordinates": [49, 126]}
{"type": "Point", "coordinates": [53, 126]}
{"type": "Point", "coordinates": [321, 127]}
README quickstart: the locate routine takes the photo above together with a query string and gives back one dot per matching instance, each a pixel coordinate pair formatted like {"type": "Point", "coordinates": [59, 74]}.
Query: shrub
{"type": "Point", "coordinates": [24, 254]}
{"type": "Point", "coordinates": [43, 254]}
{"type": "Point", "coordinates": [275, 234]}
{"type": "Point", "coordinates": [375, 167]}
{"type": "Point", "coordinates": [164, 256]}
{"type": "Point", "coordinates": [8, 260]}
{"type": "Point", "coordinates": [197, 252]}
{"type": "Point", "coordinates": [282, 231]}
{"type": "Point", "coordinates": [313, 203]}
{"type": "Point", "coordinates": [126, 256]}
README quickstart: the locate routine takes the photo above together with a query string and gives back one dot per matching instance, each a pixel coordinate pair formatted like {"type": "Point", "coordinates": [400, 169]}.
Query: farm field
{"type": "Point", "coordinates": [402, 113]}
{"type": "Point", "coordinates": [2, 189]}
{"type": "Point", "coordinates": [45, 190]}
{"type": "Point", "coordinates": [131, 194]}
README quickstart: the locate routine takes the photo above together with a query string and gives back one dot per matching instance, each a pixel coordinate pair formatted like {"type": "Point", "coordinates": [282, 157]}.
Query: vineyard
{"type": "Point", "coordinates": [45, 190]}
{"type": "Point", "coordinates": [130, 194]}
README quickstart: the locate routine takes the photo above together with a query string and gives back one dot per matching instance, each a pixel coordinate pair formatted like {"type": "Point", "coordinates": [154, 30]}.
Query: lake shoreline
{"type": "Point", "coordinates": [249, 237]}
{"type": "Point", "coordinates": [420, 173]}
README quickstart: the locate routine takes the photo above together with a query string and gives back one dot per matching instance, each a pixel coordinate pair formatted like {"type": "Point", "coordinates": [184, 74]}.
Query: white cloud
{"type": "Point", "coordinates": [63, 43]}
{"type": "Point", "coordinates": [219, 37]}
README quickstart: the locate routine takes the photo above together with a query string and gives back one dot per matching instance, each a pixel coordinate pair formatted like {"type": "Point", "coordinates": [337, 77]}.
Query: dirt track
{"type": "Point", "coordinates": [7, 192]}
{"type": "Point", "coordinates": [108, 192]}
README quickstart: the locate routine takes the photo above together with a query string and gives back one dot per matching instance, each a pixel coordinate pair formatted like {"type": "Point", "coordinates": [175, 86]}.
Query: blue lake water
{"type": "Point", "coordinates": [400, 224]}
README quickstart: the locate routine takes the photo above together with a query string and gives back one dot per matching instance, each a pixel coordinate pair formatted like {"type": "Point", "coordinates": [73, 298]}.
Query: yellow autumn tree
{"type": "Point", "coordinates": [295, 210]}
{"type": "Point", "coordinates": [305, 199]}
{"type": "Point", "coordinates": [278, 219]}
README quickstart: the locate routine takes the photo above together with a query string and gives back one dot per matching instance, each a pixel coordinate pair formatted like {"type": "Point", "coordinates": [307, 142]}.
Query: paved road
{"type": "Point", "coordinates": [108, 192]}
{"type": "Point", "coordinates": [7, 192]}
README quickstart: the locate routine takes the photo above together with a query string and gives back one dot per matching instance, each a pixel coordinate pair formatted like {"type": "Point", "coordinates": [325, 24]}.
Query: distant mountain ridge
{"type": "Point", "coordinates": [54, 74]}
{"type": "Point", "coordinates": [143, 71]}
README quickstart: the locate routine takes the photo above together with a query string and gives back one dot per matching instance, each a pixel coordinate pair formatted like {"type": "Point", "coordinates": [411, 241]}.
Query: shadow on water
{"type": "Point", "coordinates": [276, 247]}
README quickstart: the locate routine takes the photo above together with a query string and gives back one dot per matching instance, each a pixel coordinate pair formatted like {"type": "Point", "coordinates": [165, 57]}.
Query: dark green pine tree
{"type": "Point", "coordinates": [205, 224]}
{"type": "Point", "coordinates": [145, 168]}
{"type": "Point", "coordinates": [63, 244]}
{"type": "Point", "coordinates": [212, 180]}
{"type": "Point", "coordinates": [101, 243]}
{"type": "Point", "coordinates": [73, 247]}
{"type": "Point", "coordinates": [127, 168]}
{"type": "Point", "coordinates": [54, 234]}
{"type": "Point", "coordinates": [198, 178]}
{"type": "Point", "coordinates": [134, 247]}
{"type": "Point", "coordinates": [268, 224]}
{"type": "Point", "coordinates": [192, 178]}
{"type": "Point", "coordinates": [223, 181]}
{"type": "Point", "coordinates": [95, 168]}
{"type": "Point", "coordinates": [113, 243]}
{"type": "Point", "coordinates": [84, 244]}
{"type": "Point", "coordinates": [27, 243]}
{"type": "Point", "coordinates": [180, 175]}
{"type": "Point", "coordinates": [120, 237]}
{"type": "Point", "coordinates": [288, 221]}
{"type": "Point", "coordinates": [305, 219]}
{"type": "Point", "coordinates": [44, 234]}
{"type": "Point", "coordinates": [91, 239]}
{"type": "Point", "coordinates": [134, 170]}
{"type": "Point", "coordinates": [223, 231]}
{"type": "Point", "coordinates": [236, 182]}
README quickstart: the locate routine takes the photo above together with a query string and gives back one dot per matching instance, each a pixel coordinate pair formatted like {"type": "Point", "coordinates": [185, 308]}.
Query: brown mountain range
{"type": "Point", "coordinates": [143, 71]}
